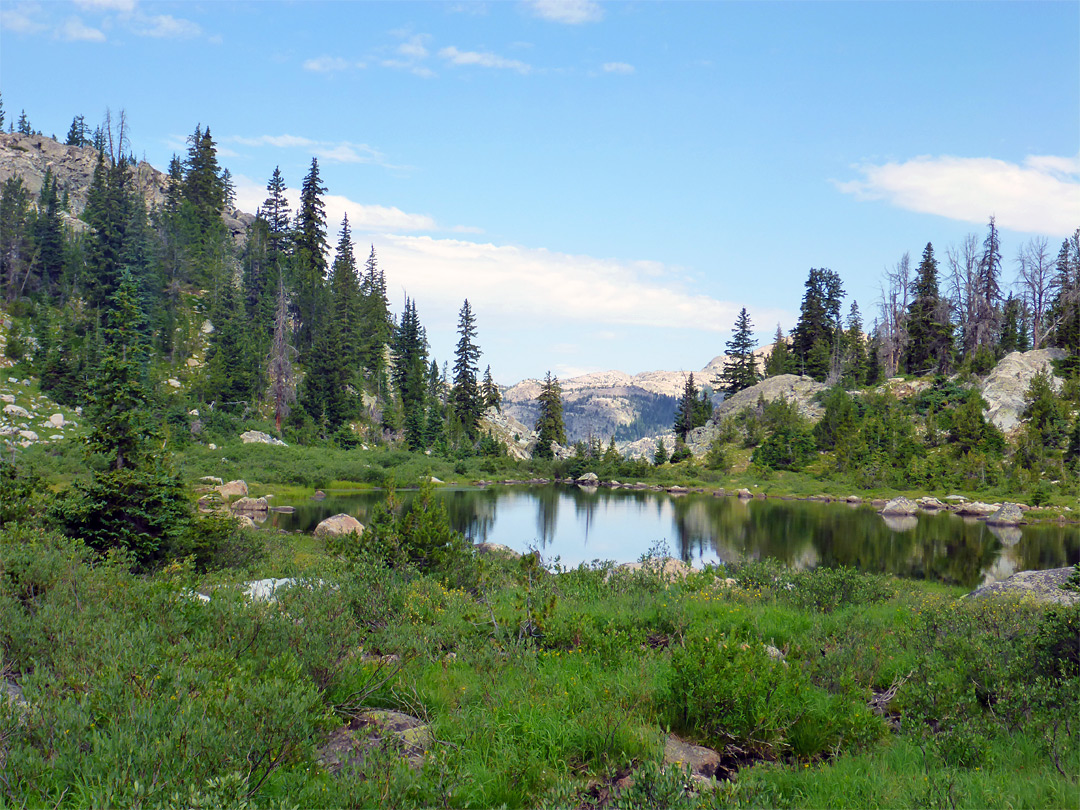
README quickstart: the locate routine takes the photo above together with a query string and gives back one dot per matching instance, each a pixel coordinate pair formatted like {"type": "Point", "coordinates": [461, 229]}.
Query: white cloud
{"type": "Point", "coordinates": [482, 59]}
{"type": "Point", "coordinates": [410, 54]}
{"type": "Point", "coordinates": [364, 219]}
{"type": "Point", "coordinates": [414, 47]}
{"type": "Point", "coordinates": [1041, 195]}
{"type": "Point", "coordinates": [618, 67]}
{"type": "Point", "coordinates": [280, 141]}
{"type": "Point", "coordinates": [327, 64]}
{"type": "Point", "coordinates": [571, 12]}
{"type": "Point", "coordinates": [535, 287]}
{"type": "Point", "coordinates": [24, 18]}
{"type": "Point", "coordinates": [125, 6]}
{"type": "Point", "coordinates": [164, 26]}
{"type": "Point", "coordinates": [75, 30]}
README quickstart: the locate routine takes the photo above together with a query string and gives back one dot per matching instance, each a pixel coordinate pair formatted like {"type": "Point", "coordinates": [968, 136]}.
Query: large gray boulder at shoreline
{"type": "Point", "coordinates": [339, 525]}
{"type": "Point", "coordinates": [900, 506]}
{"type": "Point", "coordinates": [1040, 586]}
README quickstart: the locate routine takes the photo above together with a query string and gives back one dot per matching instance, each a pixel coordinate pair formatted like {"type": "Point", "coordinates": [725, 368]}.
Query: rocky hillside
{"type": "Point", "coordinates": [606, 403]}
{"type": "Point", "coordinates": [28, 156]}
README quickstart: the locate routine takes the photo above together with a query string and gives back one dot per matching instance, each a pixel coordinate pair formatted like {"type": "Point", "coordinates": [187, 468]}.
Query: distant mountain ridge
{"type": "Point", "coordinates": [605, 403]}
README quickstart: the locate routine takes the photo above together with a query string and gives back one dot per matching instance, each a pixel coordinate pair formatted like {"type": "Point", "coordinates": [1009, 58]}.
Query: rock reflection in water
{"type": "Point", "coordinates": [622, 525]}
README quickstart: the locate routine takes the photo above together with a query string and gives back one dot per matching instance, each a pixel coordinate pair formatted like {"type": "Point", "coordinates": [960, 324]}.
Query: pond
{"type": "Point", "coordinates": [578, 525]}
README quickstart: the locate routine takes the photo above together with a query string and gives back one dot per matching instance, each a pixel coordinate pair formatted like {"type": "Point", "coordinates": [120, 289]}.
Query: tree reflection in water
{"type": "Point", "coordinates": [622, 525]}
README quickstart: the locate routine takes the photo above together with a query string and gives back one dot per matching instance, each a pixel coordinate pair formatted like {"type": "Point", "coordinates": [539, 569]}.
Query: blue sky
{"type": "Point", "coordinates": [608, 183]}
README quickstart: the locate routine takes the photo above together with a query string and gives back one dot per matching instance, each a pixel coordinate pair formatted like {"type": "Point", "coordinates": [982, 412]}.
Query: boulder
{"type": "Point", "coordinates": [57, 420]}
{"type": "Point", "coordinates": [265, 590]}
{"type": "Point", "coordinates": [1005, 388]}
{"type": "Point", "coordinates": [371, 731]}
{"type": "Point", "coordinates": [704, 763]}
{"type": "Point", "coordinates": [318, 495]}
{"type": "Point", "coordinates": [853, 499]}
{"type": "Point", "coordinates": [233, 489]}
{"type": "Point", "coordinates": [677, 490]}
{"type": "Point", "coordinates": [29, 435]}
{"type": "Point", "coordinates": [172, 382]}
{"type": "Point", "coordinates": [8, 398]}
{"type": "Point", "coordinates": [929, 503]}
{"type": "Point", "coordinates": [498, 549]}
{"type": "Point", "coordinates": [435, 480]}
{"type": "Point", "coordinates": [668, 568]}
{"type": "Point", "coordinates": [1008, 514]}
{"type": "Point", "coordinates": [213, 479]}
{"type": "Point", "coordinates": [245, 522]}
{"type": "Point", "coordinates": [258, 437]}
{"type": "Point", "coordinates": [250, 505]}
{"type": "Point", "coordinates": [977, 509]}
{"type": "Point", "coordinates": [589, 479]}
{"type": "Point", "coordinates": [744, 493]}
{"type": "Point", "coordinates": [339, 525]}
{"type": "Point", "coordinates": [900, 506]}
{"type": "Point", "coordinates": [1040, 586]}
{"type": "Point", "coordinates": [16, 412]}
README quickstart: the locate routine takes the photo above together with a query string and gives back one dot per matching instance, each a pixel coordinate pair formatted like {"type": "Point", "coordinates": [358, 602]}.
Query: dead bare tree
{"type": "Point", "coordinates": [1035, 278]}
{"type": "Point", "coordinates": [282, 376]}
{"type": "Point", "coordinates": [893, 304]}
{"type": "Point", "coordinates": [963, 264]}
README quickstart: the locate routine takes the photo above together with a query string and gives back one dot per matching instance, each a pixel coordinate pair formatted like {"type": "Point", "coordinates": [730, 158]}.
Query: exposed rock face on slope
{"type": "Point", "coordinates": [1005, 387]}
{"type": "Point", "coordinates": [604, 403]}
{"type": "Point", "coordinates": [28, 156]}
{"type": "Point", "coordinates": [794, 388]}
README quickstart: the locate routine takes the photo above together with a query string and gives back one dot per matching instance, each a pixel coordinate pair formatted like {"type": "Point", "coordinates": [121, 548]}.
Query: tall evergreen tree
{"type": "Point", "coordinates": [106, 212]}
{"type": "Point", "coordinates": [345, 296]}
{"type": "Point", "coordinates": [930, 332]}
{"type": "Point", "coordinates": [23, 126]}
{"type": "Point", "coordinates": [740, 370]}
{"type": "Point", "coordinates": [816, 337]}
{"type": "Point", "coordinates": [310, 253]}
{"type": "Point", "coordinates": [16, 246]}
{"type": "Point", "coordinates": [410, 372]}
{"type": "Point", "coordinates": [1064, 316]}
{"type": "Point", "coordinates": [275, 210]}
{"type": "Point", "coordinates": [465, 393]}
{"type": "Point", "coordinates": [689, 413]}
{"type": "Point", "coordinates": [231, 376]}
{"type": "Point", "coordinates": [376, 323]}
{"type": "Point", "coordinates": [988, 293]}
{"type": "Point", "coordinates": [134, 500]}
{"type": "Point", "coordinates": [490, 391]}
{"type": "Point", "coordinates": [549, 422]}
{"type": "Point", "coordinates": [779, 360]}
{"type": "Point", "coordinates": [855, 360]}
{"type": "Point", "coordinates": [78, 134]}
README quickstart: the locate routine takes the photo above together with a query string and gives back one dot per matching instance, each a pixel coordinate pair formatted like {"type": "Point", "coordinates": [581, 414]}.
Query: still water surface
{"type": "Point", "coordinates": [580, 525]}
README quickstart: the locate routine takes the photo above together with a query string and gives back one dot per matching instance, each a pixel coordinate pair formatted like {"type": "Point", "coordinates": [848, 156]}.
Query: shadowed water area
{"type": "Point", "coordinates": [581, 525]}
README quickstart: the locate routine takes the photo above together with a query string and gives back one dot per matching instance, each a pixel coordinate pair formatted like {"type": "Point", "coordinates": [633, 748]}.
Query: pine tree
{"type": "Point", "coordinates": [78, 133]}
{"type": "Point", "coordinates": [231, 377]}
{"type": "Point", "coordinates": [134, 500]}
{"type": "Point", "coordinates": [660, 456]}
{"type": "Point", "coordinates": [275, 210]}
{"type": "Point", "coordinates": [688, 411]}
{"type": "Point", "coordinates": [465, 393]}
{"type": "Point", "coordinates": [988, 292]}
{"type": "Point", "coordinates": [15, 243]}
{"type": "Point", "coordinates": [323, 393]}
{"type": "Point", "coordinates": [376, 323]}
{"type": "Point", "coordinates": [106, 213]}
{"type": "Point", "coordinates": [779, 360]}
{"type": "Point", "coordinates": [930, 332]}
{"type": "Point", "coordinates": [854, 362]}
{"type": "Point", "coordinates": [23, 126]}
{"type": "Point", "coordinates": [345, 295]}
{"type": "Point", "coordinates": [740, 370]}
{"type": "Point", "coordinates": [310, 253]}
{"type": "Point", "coordinates": [490, 392]}
{"type": "Point", "coordinates": [1012, 326]}
{"type": "Point", "coordinates": [1064, 317]}
{"type": "Point", "coordinates": [410, 372]}
{"type": "Point", "coordinates": [549, 422]}
{"type": "Point", "coordinates": [816, 337]}
{"type": "Point", "coordinates": [1, 112]}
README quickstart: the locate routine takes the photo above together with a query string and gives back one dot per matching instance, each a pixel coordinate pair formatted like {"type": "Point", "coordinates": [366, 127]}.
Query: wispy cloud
{"type": "Point", "coordinates": [482, 59]}
{"type": "Point", "coordinates": [364, 219]}
{"type": "Point", "coordinates": [534, 286]}
{"type": "Point", "coordinates": [24, 18]}
{"type": "Point", "coordinates": [569, 12]}
{"type": "Point", "coordinates": [75, 30]}
{"type": "Point", "coordinates": [410, 55]}
{"type": "Point", "coordinates": [126, 6]}
{"type": "Point", "coordinates": [1040, 195]}
{"type": "Point", "coordinates": [163, 26]}
{"type": "Point", "coordinates": [618, 67]}
{"type": "Point", "coordinates": [328, 64]}
{"type": "Point", "coordinates": [329, 151]}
